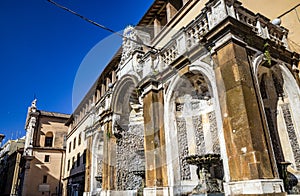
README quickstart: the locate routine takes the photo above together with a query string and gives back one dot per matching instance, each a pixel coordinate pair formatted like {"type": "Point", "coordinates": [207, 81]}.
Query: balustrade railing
{"type": "Point", "coordinates": [262, 26]}
{"type": "Point", "coordinates": [193, 32]}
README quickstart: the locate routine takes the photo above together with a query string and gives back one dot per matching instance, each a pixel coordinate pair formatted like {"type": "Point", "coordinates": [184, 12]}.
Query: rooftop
{"type": "Point", "coordinates": [54, 114]}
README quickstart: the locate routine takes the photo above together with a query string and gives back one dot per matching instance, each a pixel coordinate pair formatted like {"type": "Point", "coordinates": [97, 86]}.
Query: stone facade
{"type": "Point", "coordinates": [10, 170]}
{"type": "Point", "coordinates": [83, 170]}
{"type": "Point", "coordinates": [193, 78]}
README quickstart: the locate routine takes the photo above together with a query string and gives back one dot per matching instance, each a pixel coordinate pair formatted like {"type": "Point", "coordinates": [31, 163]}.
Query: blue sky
{"type": "Point", "coordinates": [42, 47]}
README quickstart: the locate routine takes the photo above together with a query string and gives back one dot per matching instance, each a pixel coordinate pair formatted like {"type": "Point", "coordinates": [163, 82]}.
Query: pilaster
{"type": "Point", "coordinates": [155, 155]}
{"type": "Point", "coordinates": [105, 162]}
{"type": "Point", "coordinates": [108, 165]}
{"type": "Point", "coordinates": [88, 165]}
{"type": "Point", "coordinates": [250, 159]}
{"type": "Point", "coordinates": [157, 26]}
{"type": "Point", "coordinates": [171, 11]}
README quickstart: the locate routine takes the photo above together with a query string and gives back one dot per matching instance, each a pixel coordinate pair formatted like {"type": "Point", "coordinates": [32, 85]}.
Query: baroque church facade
{"type": "Point", "coordinates": [192, 79]}
{"type": "Point", "coordinates": [43, 156]}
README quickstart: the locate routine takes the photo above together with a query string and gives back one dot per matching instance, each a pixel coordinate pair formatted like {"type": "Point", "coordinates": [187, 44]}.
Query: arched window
{"type": "Point", "coordinates": [49, 139]}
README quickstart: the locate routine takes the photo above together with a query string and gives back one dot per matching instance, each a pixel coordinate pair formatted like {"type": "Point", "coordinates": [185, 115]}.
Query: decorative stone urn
{"type": "Point", "coordinates": [207, 184]}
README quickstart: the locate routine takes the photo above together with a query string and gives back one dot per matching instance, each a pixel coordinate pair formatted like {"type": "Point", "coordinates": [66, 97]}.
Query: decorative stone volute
{"type": "Point", "coordinates": [133, 40]}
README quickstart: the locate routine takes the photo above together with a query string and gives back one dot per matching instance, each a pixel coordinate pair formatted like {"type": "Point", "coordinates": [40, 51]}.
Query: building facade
{"type": "Point", "coordinates": [10, 161]}
{"type": "Point", "coordinates": [193, 78]}
{"type": "Point", "coordinates": [75, 167]}
{"type": "Point", "coordinates": [44, 152]}
{"type": "Point", "coordinates": [85, 139]}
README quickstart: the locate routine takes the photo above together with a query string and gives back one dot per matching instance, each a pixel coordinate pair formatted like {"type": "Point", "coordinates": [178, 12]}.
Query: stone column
{"type": "Point", "coordinates": [105, 176]}
{"type": "Point", "coordinates": [105, 165]}
{"type": "Point", "coordinates": [108, 81]}
{"type": "Point", "coordinates": [98, 95]}
{"type": "Point", "coordinates": [250, 158]}
{"type": "Point", "coordinates": [112, 157]}
{"type": "Point", "coordinates": [103, 90]}
{"type": "Point", "coordinates": [109, 159]}
{"type": "Point", "coordinates": [171, 11]}
{"type": "Point", "coordinates": [157, 26]}
{"type": "Point", "coordinates": [155, 154]}
{"type": "Point", "coordinates": [113, 76]}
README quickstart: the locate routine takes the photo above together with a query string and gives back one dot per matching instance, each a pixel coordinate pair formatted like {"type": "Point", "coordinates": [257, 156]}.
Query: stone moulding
{"type": "Point", "coordinates": [190, 37]}
{"type": "Point", "coordinates": [260, 186]}
{"type": "Point", "coordinates": [189, 43]}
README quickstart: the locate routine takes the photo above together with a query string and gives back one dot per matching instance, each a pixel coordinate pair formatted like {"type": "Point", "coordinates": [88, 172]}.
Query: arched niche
{"type": "Point", "coordinates": [280, 96]}
{"type": "Point", "coordinates": [193, 126]}
{"type": "Point", "coordinates": [128, 131]}
{"type": "Point", "coordinates": [97, 162]}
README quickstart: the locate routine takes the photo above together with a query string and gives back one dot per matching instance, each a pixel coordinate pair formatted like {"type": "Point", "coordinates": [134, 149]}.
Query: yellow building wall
{"type": "Point", "coordinates": [58, 129]}
{"type": "Point", "coordinates": [39, 168]}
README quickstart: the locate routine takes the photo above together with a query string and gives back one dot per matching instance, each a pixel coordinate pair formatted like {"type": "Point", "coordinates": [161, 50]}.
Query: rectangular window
{"type": "Point", "coordinates": [45, 179]}
{"type": "Point", "coordinates": [70, 146]}
{"type": "Point", "coordinates": [47, 159]}
{"type": "Point", "coordinates": [74, 143]}
{"type": "Point", "coordinates": [78, 159]}
{"type": "Point", "coordinates": [79, 139]}
{"type": "Point", "coordinates": [73, 162]}
{"type": "Point", "coordinates": [84, 157]}
{"type": "Point", "coordinates": [68, 168]}
{"type": "Point", "coordinates": [65, 142]}
{"type": "Point", "coordinates": [48, 141]}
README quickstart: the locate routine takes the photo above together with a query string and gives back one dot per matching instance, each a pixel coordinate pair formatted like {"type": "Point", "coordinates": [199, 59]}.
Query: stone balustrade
{"type": "Point", "coordinates": [262, 26]}
{"type": "Point", "coordinates": [192, 34]}
{"type": "Point", "coordinates": [196, 30]}
{"type": "Point", "coordinates": [186, 40]}
{"type": "Point", "coordinates": [170, 53]}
